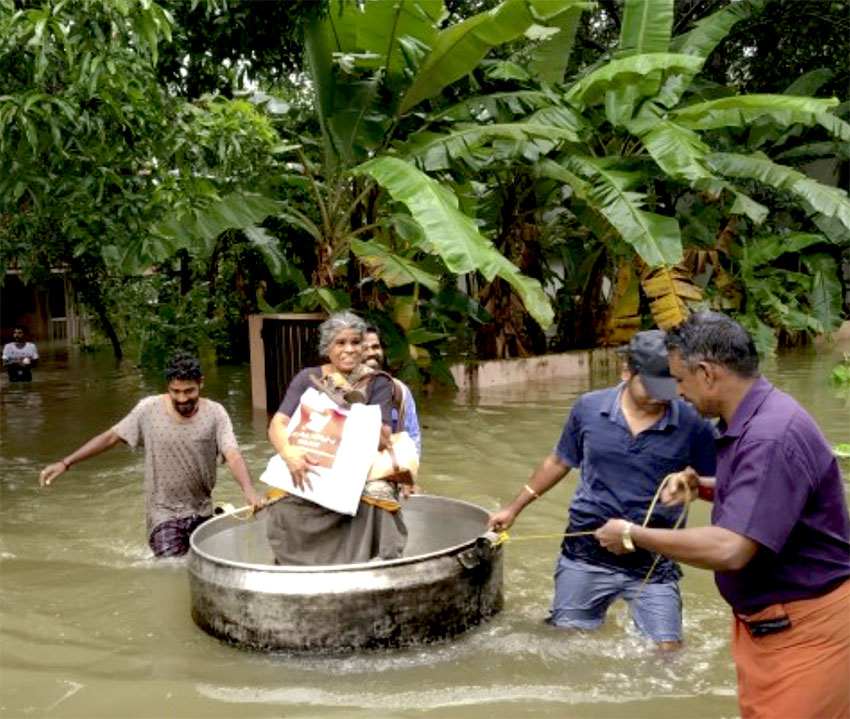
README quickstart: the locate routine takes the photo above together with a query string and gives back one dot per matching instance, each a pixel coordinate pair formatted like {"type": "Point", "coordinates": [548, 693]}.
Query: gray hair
{"type": "Point", "coordinates": [335, 324]}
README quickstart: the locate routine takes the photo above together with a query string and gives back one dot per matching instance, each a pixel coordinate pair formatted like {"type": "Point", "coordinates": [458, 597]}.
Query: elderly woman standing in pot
{"type": "Point", "coordinates": [301, 532]}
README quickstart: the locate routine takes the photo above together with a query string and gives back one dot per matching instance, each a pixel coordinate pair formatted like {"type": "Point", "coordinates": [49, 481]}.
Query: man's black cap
{"type": "Point", "coordinates": [647, 356]}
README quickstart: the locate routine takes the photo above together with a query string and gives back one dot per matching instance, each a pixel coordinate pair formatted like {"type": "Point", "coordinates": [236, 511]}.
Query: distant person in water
{"type": "Point", "coordinates": [183, 435]}
{"type": "Point", "coordinates": [404, 417]}
{"type": "Point", "coordinates": [20, 356]}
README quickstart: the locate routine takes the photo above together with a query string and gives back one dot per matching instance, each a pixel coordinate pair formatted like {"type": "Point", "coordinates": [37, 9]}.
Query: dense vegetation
{"type": "Point", "coordinates": [486, 179]}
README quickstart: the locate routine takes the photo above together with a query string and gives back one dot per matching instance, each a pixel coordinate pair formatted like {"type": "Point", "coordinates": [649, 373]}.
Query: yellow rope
{"type": "Point", "coordinates": [505, 537]}
{"type": "Point", "coordinates": [246, 512]}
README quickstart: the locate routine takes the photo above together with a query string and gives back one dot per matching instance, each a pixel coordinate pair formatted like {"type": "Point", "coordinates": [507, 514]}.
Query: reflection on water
{"type": "Point", "coordinates": [92, 626]}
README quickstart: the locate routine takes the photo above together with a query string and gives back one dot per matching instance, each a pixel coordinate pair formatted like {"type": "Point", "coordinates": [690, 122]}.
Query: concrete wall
{"type": "Point", "coordinates": [476, 376]}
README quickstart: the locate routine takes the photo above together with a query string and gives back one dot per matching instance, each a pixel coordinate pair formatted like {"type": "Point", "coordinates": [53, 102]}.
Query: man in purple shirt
{"type": "Point", "coordinates": [780, 536]}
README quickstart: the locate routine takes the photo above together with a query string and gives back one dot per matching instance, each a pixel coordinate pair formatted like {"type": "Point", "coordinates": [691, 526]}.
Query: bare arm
{"type": "Point", "coordinates": [706, 547]}
{"type": "Point", "coordinates": [297, 461]}
{"type": "Point", "coordinates": [550, 471]}
{"type": "Point", "coordinates": [240, 472]}
{"type": "Point", "coordinates": [96, 445]}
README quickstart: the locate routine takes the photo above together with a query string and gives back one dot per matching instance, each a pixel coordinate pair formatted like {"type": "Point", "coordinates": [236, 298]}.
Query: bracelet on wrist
{"type": "Point", "coordinates": [628, 543]}
{"type": "Point", "coordinates": [531, 491]}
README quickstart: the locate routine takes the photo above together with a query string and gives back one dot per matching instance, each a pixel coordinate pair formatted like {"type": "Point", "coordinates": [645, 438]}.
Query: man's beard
{"type": "Point", "coordinates": [186, 409]}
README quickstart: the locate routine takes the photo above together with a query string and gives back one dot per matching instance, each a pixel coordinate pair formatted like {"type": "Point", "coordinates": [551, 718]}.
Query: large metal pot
{"type": "Point", "coordinates": [449, 580]}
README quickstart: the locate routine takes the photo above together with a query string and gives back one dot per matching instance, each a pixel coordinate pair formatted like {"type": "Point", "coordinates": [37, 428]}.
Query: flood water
{"type": "Point", "coordinates": [92, 626]}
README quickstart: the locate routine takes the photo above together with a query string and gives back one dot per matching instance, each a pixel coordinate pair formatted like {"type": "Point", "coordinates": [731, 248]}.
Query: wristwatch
{"type": "Point", "coordinates": [628, 544]}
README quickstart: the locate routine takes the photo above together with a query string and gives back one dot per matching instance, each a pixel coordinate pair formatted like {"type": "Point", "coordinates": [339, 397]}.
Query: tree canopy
{"type": "Point", "coordinates": [465, 174]}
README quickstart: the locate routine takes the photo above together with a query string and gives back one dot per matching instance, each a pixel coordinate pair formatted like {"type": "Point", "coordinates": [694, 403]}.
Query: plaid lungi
{"type": "Point", "coordinates": [171, 538]}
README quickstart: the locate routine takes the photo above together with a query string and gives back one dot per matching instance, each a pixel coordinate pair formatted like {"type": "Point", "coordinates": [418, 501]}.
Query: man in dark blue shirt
{"type": "Point", "coordinates": [625, 440]}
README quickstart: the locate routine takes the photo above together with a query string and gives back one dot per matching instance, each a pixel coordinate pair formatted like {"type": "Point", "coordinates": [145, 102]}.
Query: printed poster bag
{"type": "Point", "coordinates": [344, 443]}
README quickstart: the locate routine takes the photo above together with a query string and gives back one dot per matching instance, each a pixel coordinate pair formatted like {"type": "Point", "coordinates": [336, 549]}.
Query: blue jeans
{"type": "Point", "coordinates": [583, 593]}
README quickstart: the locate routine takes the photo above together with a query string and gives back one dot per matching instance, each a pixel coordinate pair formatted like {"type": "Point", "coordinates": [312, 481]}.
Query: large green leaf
{"type": "Point", "coordinates": [825, 298]}
{"type": "Point", "coordinates": [453, 235]}
{"type": "Point", "coordinates": [234, 211]}
{"type": "Point", "coordinates": [656, 238]}
{"type": "Point", "coordinates": [482, 108]}
{"type": "Point", "coordinates": [321, 43]}
{"type": "Point", "coordinates": [197, 229]}
{"type": "Point", "coordinates": [830, 201]}
{"type": "Point", "coordinates": [269, 245]}
{"type": "Point", "coordinates": [681, 154]}
{"type": "Point", "coordinates": [743, 110]}
{"type": "Point", "coordinates": [392, 268]}
{"type": "Point", "coordinates": [459, 48]}
{"type": "Point", "coordinates": [438, 152]}
{"type": "Point", "coordinates": [646, 27]}
{"type": "Point", "coordinates": [678, 150]}
{"type": "Point", "coordinates": [550, 58]}
{"type": "Point", "coordinates": [764, 250]}
{"type": "Point", "coordinates": [643, 71]}
{"type": "Point", "coordinates": [708, 32]}
{"type": "Point", "coordinates": [701, 41]}
{"type": "Point", "coordinates": [809, 82]}
{"type": "Point", "coordinates": [391, 33]}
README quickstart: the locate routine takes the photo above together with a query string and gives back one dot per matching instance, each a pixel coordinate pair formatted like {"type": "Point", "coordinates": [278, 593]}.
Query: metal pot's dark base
{"type": "Point", "coordinates": [449, 580]}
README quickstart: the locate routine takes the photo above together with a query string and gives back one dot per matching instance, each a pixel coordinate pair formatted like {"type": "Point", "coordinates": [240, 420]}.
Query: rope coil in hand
{"type": "Point", "coordinates": [505, 537]}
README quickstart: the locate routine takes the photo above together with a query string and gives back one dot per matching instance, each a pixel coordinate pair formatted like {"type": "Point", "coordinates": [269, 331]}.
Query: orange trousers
{"type": "Point", "coordinates": [802, 672]}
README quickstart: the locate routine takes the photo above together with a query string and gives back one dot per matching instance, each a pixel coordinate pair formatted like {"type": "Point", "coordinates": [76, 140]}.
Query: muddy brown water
{"type": "Point", "coordinates": [91, 626]}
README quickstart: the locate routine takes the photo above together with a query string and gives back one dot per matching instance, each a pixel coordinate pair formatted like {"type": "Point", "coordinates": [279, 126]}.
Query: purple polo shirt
{"type": "Point", "coordinates": [779, 484]}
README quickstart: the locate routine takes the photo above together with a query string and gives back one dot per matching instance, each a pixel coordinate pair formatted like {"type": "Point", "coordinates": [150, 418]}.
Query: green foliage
{"type": "Point", "coordinates": [839, 378]}
{"type": "Point", "coordinates": [198, 304]}
{"type": "Point", "coordinates": [649, 139]}
{"type": "Point", "coordinates": [452, 234]}
{"type": "Point", "coordinates": [415, 176]}
{"type": "Point", "coordinates": [103, 166]}
{"type": "Point", "coordinates": [225, 45]}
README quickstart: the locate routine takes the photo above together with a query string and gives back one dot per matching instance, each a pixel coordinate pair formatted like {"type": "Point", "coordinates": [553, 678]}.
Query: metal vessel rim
{"type": "Point", "coordinates": [324, 568]}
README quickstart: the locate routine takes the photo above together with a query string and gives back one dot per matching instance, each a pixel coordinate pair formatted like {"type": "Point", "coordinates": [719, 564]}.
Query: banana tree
{"type": "Point", "coordinates": [376, 69]}
{"type": "Point", "coordinates": [645, 139]}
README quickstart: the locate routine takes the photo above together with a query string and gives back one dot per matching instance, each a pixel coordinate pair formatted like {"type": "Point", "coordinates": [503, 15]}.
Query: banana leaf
{"type": "Point", "coordinates": [656, 238]}
{"type": "Point", "coordinates": [669, 290]}
{"type": "Point", "coordinates": [701, 42]}
{"type": "Point", "coordinates": [459, 48]}
{"type": "Point", "coordinates": [825, 298]}
{"type": "Point", "coordinates": [438, 151]}
{"type": "Point", "coordinates": [550, 58]}
{"type": "Point", "coordinates": [392, 268]}
{"type": "Point", "coordinates": [197, 229]}
{"type": "Point", "coordinates": [493, 106]}
{"type": "Point", "coordinates": [453, 235]}
{"type": "Point", "coordinates": [765, 250]}
{"type": "Point", "coordinates": [646, 27]}
{"type": "Point", "coordinates": [809, 82]}
{"type": "Point", "coordinates": [387, 33]}
{"type": "Point", "coordinates": [618, 73]}
{"type": "Point", "coordinates": [624, 318]}
{"type": "Point", "coordinates": [830, 201]}
{"type": "Point", "coordinates": [784, 110]}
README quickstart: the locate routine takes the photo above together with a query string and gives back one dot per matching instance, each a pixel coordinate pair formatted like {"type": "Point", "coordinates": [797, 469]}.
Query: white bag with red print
{"type": "Point", "coordinates": [344, 443]}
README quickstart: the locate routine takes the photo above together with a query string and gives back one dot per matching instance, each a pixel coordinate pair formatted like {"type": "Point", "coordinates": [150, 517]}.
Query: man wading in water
{"type": "Point", "coordinates": [183, 435]}
{"type": "Point", "coordinates": [779, 540]}
{"type": "Point", "coordinates": [625, 440]}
